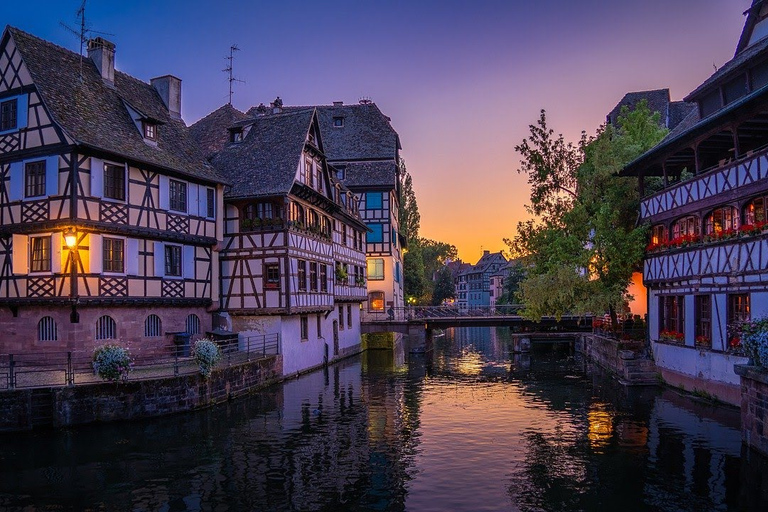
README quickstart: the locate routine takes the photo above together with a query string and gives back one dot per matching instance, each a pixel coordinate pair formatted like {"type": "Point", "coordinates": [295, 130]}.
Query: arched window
{"type": "Point", "coordinates": [312, 218]}
{"type": "Point", "coordinates": [687, 226]}
{"type": "Point", "coordinates": [754, 211]}
{"type": "Point", "coordinates": [297, 213]}
{"type": "Point", "coordinates": [106, 329]}
{"type": "Point", "coordinates": [376, 301]}
{"type": "Point", "coordinates": [47, 330]}
{"type": "Point", "coordinates": [658, 234]}
{"type": "Point", "coordinates": [153, 326]}
{"type": "Point", "coordinates": [193, 324]}
{"type": "Point", "coordinates": [720, 220]}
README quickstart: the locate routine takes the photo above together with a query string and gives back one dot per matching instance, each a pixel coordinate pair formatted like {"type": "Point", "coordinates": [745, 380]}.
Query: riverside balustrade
{"type": "Point", "coordinates": [22, 370]}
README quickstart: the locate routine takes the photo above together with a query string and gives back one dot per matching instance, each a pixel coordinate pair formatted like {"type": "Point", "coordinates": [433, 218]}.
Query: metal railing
{"type": "Point", "coordinates": [24, 370]}
{"type": "Point", "coordinates": [409, 313]}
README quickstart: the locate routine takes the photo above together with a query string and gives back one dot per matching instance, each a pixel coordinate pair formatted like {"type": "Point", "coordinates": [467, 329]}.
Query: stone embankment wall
{"type": "Point", "coordinates": [754, 406]}
{"type": "Point", "coordinates": [624, 359]}
{"type": "Point", "coordinates": [65, 406]}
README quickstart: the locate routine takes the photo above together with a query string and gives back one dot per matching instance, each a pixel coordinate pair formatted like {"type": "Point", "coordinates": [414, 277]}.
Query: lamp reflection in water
{"type": "Point", "coordinates": [600, 426]}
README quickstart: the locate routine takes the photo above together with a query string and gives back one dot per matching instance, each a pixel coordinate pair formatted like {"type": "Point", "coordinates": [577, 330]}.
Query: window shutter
{"type": "Point", "coordinates": [159, 259]}
{"type": "Point", "coordinates": [22, 106]}
{"type": "Point", "coordinates": [95, 253]}
{"type": "Point", "coordinates": [52, 175]}
{"type": "Point", "coordinates": [132, 257]}
{"type": "Point", "coordinates": [97, 177]}
{"type": "Point", "coordinates": [16, 191]}
{"type": "Point", "coordinates": [202, 195]}
{"type": "Point", "coordinates": [192, 199]}
{"type": "Point", "coordinates": [56, 240]}
{"type": "Point", "coordinates": [20, 250]}
{"type": "Point", "coordinates": [165, 198]}
{"type": "Point", "coordinates": [188, 261]}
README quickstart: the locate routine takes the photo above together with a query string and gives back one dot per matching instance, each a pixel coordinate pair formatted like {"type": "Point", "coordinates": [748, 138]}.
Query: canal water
{"type": "Point", "coordinates": [470, 427]}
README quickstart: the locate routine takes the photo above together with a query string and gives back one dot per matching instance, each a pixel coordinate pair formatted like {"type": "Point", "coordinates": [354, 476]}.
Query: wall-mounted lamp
{"type": "Point", "coordinates": [70, 238]}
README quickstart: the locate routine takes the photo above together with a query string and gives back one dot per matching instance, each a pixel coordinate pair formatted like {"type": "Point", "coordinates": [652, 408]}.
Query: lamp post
{"type": "Point", "coordinates": [70, 239]}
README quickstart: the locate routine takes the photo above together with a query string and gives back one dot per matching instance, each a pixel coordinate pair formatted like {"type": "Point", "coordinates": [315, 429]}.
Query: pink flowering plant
{"type": "Point", "coordinates": [112, 362]}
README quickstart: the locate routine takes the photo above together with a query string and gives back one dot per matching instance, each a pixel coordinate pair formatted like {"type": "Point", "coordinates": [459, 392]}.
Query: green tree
{"type": "Point", "coordinates": [408, 214]}
{"type": "Point", "coordinates": [512, 281]}
{"type": "Point", "coordinates": [415, 282]}
{"type": "Point", "coordinates": [584, 247]}
{"type": "Point", "coordinates": [444, 287]}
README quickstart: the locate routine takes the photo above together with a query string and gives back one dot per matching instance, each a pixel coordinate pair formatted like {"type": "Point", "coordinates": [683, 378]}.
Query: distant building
{"type": "Point", "coordinates": [497, 280]}
{"type": "Point", "coordinates": [110, 216]}
{"type": "Point", "coordinates": [475, 281]}
{"type": "Point", "coordinates": [705, 268]}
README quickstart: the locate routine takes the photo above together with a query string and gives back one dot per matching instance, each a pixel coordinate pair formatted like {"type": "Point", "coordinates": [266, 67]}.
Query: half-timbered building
{"type": "Point", "coordinates": [109, 215]}
{"type": "Point", "coordinates": [705, 192]}
{"type": "Point", "coordinates": [292, 260]}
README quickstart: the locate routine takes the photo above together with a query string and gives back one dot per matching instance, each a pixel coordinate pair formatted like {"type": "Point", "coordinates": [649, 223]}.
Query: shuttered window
{"type": "Point", "coordinates": [34, 179]}
{"type": "Point", "coordinates": [40, 260]}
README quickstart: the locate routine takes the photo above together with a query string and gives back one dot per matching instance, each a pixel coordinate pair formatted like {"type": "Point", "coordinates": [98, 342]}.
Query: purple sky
{"type": "Point", "coordinates": [461, 80]}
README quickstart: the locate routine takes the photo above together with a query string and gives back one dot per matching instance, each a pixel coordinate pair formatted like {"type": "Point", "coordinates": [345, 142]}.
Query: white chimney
{"type": "Point", "coordinates": [102, 53]}
{"type": "Point", "coordinates": [169, 89]}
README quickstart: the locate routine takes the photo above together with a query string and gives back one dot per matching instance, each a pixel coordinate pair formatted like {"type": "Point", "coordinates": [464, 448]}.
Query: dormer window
{"type": "Point", "coordinates": [236, 135]}
{"type": "Point", "coordinates": [9, 115]}
{"type": "Point", "coordinates": [150, 130]}
{"type": "Point", "coordinates": [338, 122]}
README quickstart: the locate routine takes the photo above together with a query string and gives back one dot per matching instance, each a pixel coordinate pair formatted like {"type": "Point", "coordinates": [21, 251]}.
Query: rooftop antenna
{"type": "Point", "coordinates": [228, 69]}
{"type": "Point", "coordinates": [83, 33]}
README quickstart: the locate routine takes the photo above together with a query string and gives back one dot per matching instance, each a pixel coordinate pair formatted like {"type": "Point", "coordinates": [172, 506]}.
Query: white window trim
{"type": "Point", "coordinates": [22, 112]}
{"type": "Point", "coordinates": [187, 188]}
{"type": "Point", "coordinates": [104, 164]}
{"type": "Point", "coordinates": [125, 256]}
{"type": "Point", "coordinates": [55, 263]}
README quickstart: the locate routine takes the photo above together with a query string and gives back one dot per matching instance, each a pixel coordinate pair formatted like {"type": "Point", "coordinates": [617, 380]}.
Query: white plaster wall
{"type": "Point", "coordinates": [653, 317]}
{"type": "Point", "coordinates": [690, 320]}
{"type": "Point", "coordinates": [719, 321]}
{"type": "Point", "coordinates": [698, 363]}
{"type": "Point", "coordinates": [759, 305]}
{"type": "Point", "coordinates": [350, 336]}
{"type": "Point", "coordinates": [300, 355]}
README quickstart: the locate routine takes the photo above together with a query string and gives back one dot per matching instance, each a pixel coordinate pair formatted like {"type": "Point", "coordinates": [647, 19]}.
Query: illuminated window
{"type": "Point", "coordinates": [658, 234]}
{"type": "Point", "coordinates": [376, 269]}
{"type": "Point", "coordinates": [721, 219]}
{"type": "Point", "coordinates": [687, 226]}
{"type": "Point", "coordinates": [754, 212]}
{"type": "Point", "coordinates": [41, 254]}
{"type": "Point", "coordinates": [376, 301]}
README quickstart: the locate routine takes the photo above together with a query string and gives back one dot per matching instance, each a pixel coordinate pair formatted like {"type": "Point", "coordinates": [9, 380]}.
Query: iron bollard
{"type": "Point", "coordinates": [11, 376]}
{"type": "Point", "coordinates": [70, 377]}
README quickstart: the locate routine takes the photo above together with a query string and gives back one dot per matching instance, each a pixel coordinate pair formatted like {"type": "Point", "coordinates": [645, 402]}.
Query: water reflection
{"type": "Point", "coordinates": [471, 427]}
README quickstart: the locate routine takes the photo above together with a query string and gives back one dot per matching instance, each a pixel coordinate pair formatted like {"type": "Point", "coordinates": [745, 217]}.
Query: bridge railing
{"type": "Point", "coordinates": [409, 313]}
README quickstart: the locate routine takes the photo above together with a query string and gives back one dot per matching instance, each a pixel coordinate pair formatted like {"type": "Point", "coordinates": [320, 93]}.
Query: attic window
{"type": "Point", "coordinates": [236, 135]}
{"type": "Point", "coordinates": [338, 122]}
{"type": "Point", "coordinates": [150, 130]}
{"type": "Point", "coordinates": [341, 172]}
{"type": "Point", "coordinates": [8, 115]}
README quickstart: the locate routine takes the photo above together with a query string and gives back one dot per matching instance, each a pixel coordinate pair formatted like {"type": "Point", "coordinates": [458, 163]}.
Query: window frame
{"type": "Point", "coordinates": [374, 297]}
{"type": "Point", "coordinates": [115, 182]}
{"type": "Point", "coordinates": [323, 277]}
{"type": "Point", "coordinates": [39, 170]}
{"type": "Point", "coordinates": [378, 204]}
{"type": "Point", "coordinates": [304, 327]}
{"type": "Point", "coordinates": [149, 130]}
{"type": "Point", "coordinates": [301, 275]}
{"type": "Point", "coordinates": [46, 255]}
{"type": "Point", "coordinates": [106, 323]}
{"type": "Point", "coordinates": [272, 276]}
{"type": "Point", "coordinates": [313, 276]}
{"type": "Point", "coordinates": [177, 195]}
{"type": "Point", "coordinates": [374, 276]}
{"type": "Point", "coordinates": [168, 263]}
{"type": "Point", "coordinates": [376, 233]}
{"type": "Point", "coordinates": [210, 203]}
{"type": "Point", "coordinates": [703, 319]}
{"type": "Point", "coordinates": [153, 324]}
{"type": "Point", "coordinates": [109, 245]}
{"type": "Point", "coordinates": [9, 119]}
{"type": "Point", "coordinates": [50, 328]}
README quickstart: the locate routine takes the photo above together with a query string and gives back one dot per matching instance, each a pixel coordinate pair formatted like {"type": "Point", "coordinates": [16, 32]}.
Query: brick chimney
{"type": "Point", "coordinates": [102, 53]}
{"type": "Point", "coordinates": [169, 89]}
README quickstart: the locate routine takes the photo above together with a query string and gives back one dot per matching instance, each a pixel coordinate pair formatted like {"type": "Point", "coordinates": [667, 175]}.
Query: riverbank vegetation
{"type": "Point", "coordinates": [583, 244]}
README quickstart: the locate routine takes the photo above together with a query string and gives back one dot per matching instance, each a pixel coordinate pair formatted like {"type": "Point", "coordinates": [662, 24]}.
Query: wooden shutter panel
{"type": "Point", "coordinates": [22, 108]}
{"type": "Point", "coordinates": [16, 190]}
{"type": "Point", "coordinates": [188, 261]}
{"type": "Point", "coordinates": [192, 199]}
{"type": "Point", "coordinates": [97, 177]}
{"type": "Point", "coordinates": [159, 259]}
{"type": "Point", "coordinates": [52, 176]}
{"type": "Point", "coordinates": [56, 244]}
{"type": "Point", "coordinates": [202, 203]}
{"type": "Point", "coordinates": [165, 198]}
{"type": "Point", "coordinates": [95, 253]}
{"type": "Point", "coordinates": [132, 257]}
{"type": "Point", "coordinates": [20, 250]}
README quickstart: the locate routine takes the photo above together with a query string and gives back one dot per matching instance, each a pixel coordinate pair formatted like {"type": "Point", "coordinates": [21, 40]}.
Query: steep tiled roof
{"type": "Point", "coordinates": [678, 112]}
{"type": "Point", "coordinates": [658, 101]}
{"type": "Point", "coordinates": [94, 114]}
{"type": "Point", "coordinates": [370, 174]}
{"type": "Point", "coordinates": [265, 163]}
{"type": "Point", "coordinates": [211, 132]}
{"type": "Point", "coordinates": [366, 133]}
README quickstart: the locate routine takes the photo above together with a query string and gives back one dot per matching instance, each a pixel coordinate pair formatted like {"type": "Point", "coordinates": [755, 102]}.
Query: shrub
{"type": "Point", "coordinates": [754, 339]}
{"type": "Point", "coordinates": [112, 362]}
{"type": "Point", "coordinates": [206, 354]}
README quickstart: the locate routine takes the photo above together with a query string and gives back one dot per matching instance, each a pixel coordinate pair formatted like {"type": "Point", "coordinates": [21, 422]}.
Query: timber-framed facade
{"type": "Point", "coordinates": [110, 218]}
{"type": "Point", "coordinates": [706, 267]}
{"type": "Point", "coordinates": [292, 259]}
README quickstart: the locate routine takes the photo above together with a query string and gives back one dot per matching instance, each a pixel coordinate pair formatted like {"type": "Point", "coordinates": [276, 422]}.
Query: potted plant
{"type": "Point", "coordinates": [206, 355]}
{"type": "Point", "coordinates": [112, 362]}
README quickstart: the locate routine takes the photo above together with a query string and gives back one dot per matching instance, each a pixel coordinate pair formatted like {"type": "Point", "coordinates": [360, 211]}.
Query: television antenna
{"type": "Point", "coordinates": [82, 34]}
{"type": "Point", "coordinates": [229, 68]}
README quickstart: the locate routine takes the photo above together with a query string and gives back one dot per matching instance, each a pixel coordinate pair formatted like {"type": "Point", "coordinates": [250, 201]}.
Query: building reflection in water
{"type": "Point", "coordinates": [482, 429]}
